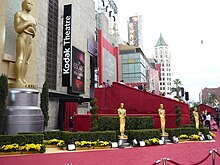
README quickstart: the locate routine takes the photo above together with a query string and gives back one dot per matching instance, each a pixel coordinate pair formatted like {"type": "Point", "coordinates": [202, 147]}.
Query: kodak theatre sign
{"type": "Point", "coordinates": [67, 47]}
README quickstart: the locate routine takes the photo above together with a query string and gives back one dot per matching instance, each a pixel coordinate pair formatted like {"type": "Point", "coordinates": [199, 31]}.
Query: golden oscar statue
{"type": "Point", "coordinates": [122, 115]}
{"type": "Point", "coordinates": [25, 25]}
{"type": "Point", "coordinates": [196, 117]}
{"type": "Point", "coordinates": [161, 113]}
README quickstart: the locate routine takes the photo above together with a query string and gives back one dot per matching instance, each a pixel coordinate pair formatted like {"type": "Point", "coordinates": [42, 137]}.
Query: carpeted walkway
{"type": "Point", "coordinates": [184, 153]}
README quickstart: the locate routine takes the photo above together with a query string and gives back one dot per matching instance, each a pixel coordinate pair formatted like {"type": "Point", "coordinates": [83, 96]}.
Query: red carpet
{"type": "Point", "coordinates": [182, 153]}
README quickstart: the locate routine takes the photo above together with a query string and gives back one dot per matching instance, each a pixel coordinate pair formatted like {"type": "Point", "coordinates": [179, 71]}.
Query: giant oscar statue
{"type": "Point", "coordinates": [22, 113]}
{"type": "Point", "coordinates": [122, 115]}
{"type": "Point", "coordinates": [196, 117]}
{"type": "Point", "coordinates": [161, 113]}
{"type": "Point", "coordinates": [25, 25]}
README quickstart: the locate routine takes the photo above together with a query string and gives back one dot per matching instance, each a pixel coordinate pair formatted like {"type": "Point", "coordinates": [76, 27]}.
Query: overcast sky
{"type": "Point", "coordinates": [183, 24]}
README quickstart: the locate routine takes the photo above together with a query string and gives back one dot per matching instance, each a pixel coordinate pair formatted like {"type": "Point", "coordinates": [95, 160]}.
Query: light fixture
{"type": "Point", "coordinates": [201, 137]}
{"type": "Point", "coordinates": [114, 145]}
{"type": "Point", "coordinates": [209, 137]}
{"type": "Point", "coordinates": [134, 143]}
{"type": "Point", "coordinates": [142, 143]}
{"type": "Point", "coordinates": [175, 139]}
{"type": "Point", "coordinates": [161, 142]}
{"type": "Point", "coordinates": [120, 143]}
{"type": "Point", "coordinates": [71, 147]}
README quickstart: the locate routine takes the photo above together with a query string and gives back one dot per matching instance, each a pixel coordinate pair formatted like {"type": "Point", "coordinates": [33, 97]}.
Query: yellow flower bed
{"type": "Point", "coordinates": [53, 142]}
{"type": "Point", "coordinates": [183, 136]}
{"type": "Point", "coordinates": [153, 141]}
{"type": "Point", "coordinates": [194, 137]}
{"type": "Point", "coordinates": [27, 147]}
{"type": "Point", "coordinates": [92, 144]}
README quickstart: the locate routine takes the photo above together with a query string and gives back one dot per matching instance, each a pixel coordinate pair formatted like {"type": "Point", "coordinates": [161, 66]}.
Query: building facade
{"type": "Point", "coordinates": [135, 68]}
{"type": "Point", "coordinates": [207, 92]}
{"type": "Point", "coordinates": [163, 58]}
{"type": "Point", "coordinates": [46, 63]}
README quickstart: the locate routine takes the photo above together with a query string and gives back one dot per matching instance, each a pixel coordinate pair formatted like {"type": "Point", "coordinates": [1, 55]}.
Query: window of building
{"type": "Point", "coordinates": [125, 68]}
{"type": "Point", "coordinates": [137, 67]}
{"type": "Point", "coordinates": [52, 34]}
{"type": "Point", "coordinates": [131, 68]}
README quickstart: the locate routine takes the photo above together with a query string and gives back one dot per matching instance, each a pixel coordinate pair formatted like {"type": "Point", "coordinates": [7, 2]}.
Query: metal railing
{"type": "Point", "coordinates": [212, 153]}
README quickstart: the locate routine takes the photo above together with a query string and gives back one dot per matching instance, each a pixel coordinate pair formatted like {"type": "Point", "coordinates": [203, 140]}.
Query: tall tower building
{"type": "Point", "coordinates": [164, 60]}
{"type": "Point", "coordinates": [135, 31]}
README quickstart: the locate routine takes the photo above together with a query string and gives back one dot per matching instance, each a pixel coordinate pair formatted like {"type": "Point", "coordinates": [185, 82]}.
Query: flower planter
{"type": "Point", "coordinates": [104, 147]}
{"type": "Point", "coordinates": [30, 152]}
{"type": "Point", "coordinates": [183, 140]}
{"type": "Point", "coordinates": [51, 146]}
{"type": "Point", "coordinates": [84, 148]}
{"type": "Point", "coordinates": [10, 153]}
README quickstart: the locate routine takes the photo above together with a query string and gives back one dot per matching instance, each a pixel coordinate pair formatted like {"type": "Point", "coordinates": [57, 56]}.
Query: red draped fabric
{"type": "Point", "coordinates": [138, 102]}
{"type": "Point", "coordinates": [204, 107]}
{"type": "Point", "coordinates": [70, 110]}
{"type": "Point", "coordinates": [135, 101]}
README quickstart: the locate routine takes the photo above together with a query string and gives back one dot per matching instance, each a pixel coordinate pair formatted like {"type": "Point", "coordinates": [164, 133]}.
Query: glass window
{"type": "Point", "coordinates": [131, 75]}
{"type": "Point", "coordinates": [131, 68]}
{"type": "Point", "coordinates": [52, 33]}
{"type": "Point", "coordinates": [124, 61]}
{"type": "Point", "coordinates": [124, 68]}
{"type": "Point", "coordinates": [137, 75]}
{"type": "Point", "coordinates": [131, 56]}
{"type": "Point", "coordinates": [137, 67]}
{"type": "Point", "coordinates": [124, 57]}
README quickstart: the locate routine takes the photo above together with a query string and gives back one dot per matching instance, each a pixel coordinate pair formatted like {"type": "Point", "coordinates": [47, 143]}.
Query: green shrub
{"type": "Point", "coordinates": [94, 117]}
{"type": "Point", "coordinates": [21, 139]}
{"type": "Point", "coordinates": [178, 116]}
{"type": "Point", "coordinates": [132, 123]}
{"type": "Point", "coordinates": [108, 123]}
{"type": "Point", "coordinates": [3, 96]}
{"type": "Point", "coordinates": [185, 130]}
{"type": "Point", "coordinates": [44, 105]}
{"type": "Point", "coordinates": [143, 134]}
{"type": "Point", "coordinates": [70, 137]}
{"type": "Point", "coordinates": [48, 135]}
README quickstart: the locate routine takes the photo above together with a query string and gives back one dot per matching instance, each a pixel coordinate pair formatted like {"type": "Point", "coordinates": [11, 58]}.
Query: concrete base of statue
{"type": "Point", "coordinates": [22, 113]}
{"type": "Point", "coordinates": [122, 141]}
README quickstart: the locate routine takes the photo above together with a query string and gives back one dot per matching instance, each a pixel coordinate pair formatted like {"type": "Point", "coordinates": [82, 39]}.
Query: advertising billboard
{"type": "Point", "coordinates": [109, 66]}
{"type": "Point", "coordinates": [133, 31]}
{"type": "Point", "coordinates": [108, 60]}
{"type": "Point", "coordinates": [78, 71]}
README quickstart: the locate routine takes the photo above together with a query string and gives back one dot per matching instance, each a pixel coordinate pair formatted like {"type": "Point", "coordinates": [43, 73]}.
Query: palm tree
{"type": "Point", "coordinates": [177, 83]}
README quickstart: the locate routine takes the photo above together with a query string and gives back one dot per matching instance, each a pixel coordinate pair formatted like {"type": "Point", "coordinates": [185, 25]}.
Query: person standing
{"type": "Point", "coordinates": [208, 119]}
